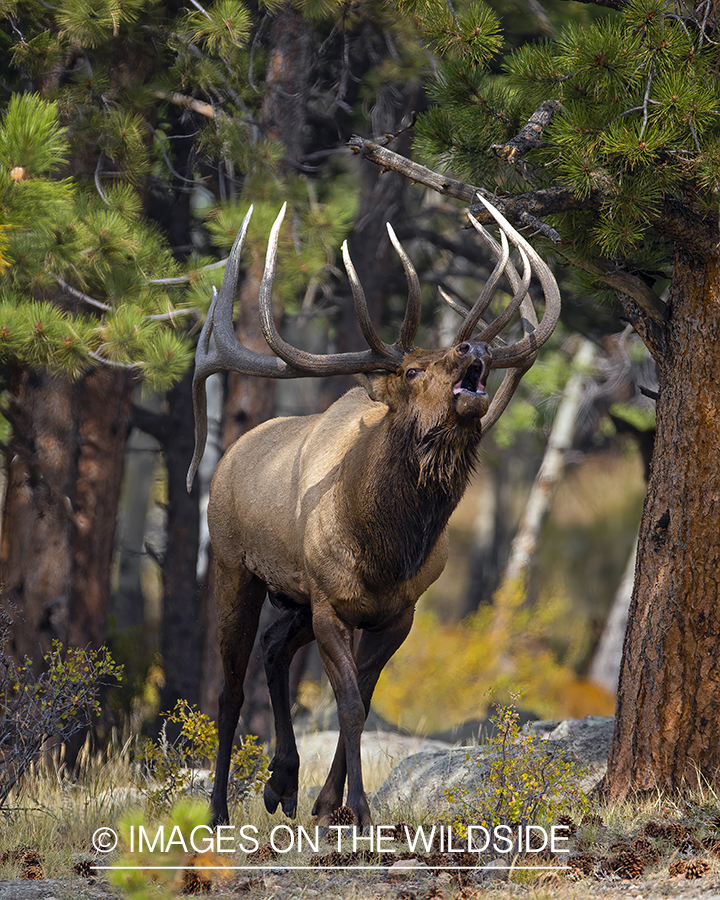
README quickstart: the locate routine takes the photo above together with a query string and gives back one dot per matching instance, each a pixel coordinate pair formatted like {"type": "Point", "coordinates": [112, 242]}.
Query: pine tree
{"type": "Point", "coordinates": [605, 139]}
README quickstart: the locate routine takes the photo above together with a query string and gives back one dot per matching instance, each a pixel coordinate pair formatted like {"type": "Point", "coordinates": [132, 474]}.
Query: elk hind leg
{"type": "Point", "coordinates": [240, 596]}
{"type": "Point", "coordinates": [280, 642]}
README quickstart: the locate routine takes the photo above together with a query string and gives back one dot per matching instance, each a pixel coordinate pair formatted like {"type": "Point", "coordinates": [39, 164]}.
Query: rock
{"type": "Point", "coordinates": [417, 784]}
{"type": "Point", "coordinates": [380, 752]}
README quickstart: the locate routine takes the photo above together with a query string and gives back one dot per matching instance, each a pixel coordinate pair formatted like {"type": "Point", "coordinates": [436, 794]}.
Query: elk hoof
{"type": "Point", "coordinates": [272, 800]}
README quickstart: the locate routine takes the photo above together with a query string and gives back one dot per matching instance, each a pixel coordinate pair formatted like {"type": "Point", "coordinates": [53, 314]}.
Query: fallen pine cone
{"type": "Point", "coordinates": [344, 816]}
{"type": "Point", "coordinates": [627, 865]}
{"type": "Point", "coordinates": [696, 868]}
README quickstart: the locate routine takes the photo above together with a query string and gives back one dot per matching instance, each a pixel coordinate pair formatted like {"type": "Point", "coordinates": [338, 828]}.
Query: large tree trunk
{"type": "Point", "coordinates": [669, 690]}
{"type": "Point", "coordinates": [65, 465]}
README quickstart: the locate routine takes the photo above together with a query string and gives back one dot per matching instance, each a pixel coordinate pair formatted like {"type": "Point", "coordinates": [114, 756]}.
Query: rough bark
{"type": "Point", "coordinates": [65, 465]}
{"type": "Point", "coordinates": [669, 688]}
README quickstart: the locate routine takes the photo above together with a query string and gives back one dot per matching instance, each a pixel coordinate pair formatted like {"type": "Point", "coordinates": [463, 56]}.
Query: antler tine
{"type": "Point", "coordinates": [518, 354]}
{"type": "Point", "coordinates": [411, 322]}
{"type": "Point", "coordinates": [503, 395]}
{"type": "Point", "coordinates": [452, 303]}
{"type": "Point", "coordinates": [361, 308]}
{"type": "Point", "coordinates": [465, 331]}
{"type": "Point", "coordinates": [228, 352]}
{"type": "Point", "coordinates": [313, 364]}
{"type": "Point", "coordinates": [491, 331]}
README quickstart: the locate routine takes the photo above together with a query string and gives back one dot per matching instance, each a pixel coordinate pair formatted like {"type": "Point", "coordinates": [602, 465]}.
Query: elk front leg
{"type": "Point", "coordinates": [374, 651]}
{"type": "Point", "coordinates": [240, 596]}
{"type": "Point", "coordinates": [280, 642]}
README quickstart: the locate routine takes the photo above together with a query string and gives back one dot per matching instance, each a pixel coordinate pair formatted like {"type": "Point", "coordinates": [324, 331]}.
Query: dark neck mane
{"type": "Point", "coordinates": [403, 489]}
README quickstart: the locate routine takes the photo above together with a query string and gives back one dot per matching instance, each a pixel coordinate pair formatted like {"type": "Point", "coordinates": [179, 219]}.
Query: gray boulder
{"type": "Point", "coordinates": [417, 784]}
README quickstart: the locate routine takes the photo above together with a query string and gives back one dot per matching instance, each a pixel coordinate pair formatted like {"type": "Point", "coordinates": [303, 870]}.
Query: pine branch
{"type": "Point", "coordinates": [526, 209]}
{"type": "Point", "coordinates": [696, 234]}
{"type": "Point", "coordinates": [642, 306]}
{"type": "Point", "coordinates": [530, 135]}
{"type": "Point", "coordinates": [392, 161]}
{"type": "Point", "coordinates": [523, 210]}
{"type": "Point", "coordinates": [79, 294]}
{"type": "Point", "coordinates": [198, 106]}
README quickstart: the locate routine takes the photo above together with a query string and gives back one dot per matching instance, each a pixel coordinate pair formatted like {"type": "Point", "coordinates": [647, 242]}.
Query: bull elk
{"type": "Point", "coordinates": [340, 518]}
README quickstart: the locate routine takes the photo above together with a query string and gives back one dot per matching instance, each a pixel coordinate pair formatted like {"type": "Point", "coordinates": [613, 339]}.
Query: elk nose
{"type": "Point", "coordinates": [479, 350]}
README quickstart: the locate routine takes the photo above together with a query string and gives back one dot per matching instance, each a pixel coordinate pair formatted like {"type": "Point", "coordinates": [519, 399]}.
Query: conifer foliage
{"type": "Point", "coordinates": [623, 119]}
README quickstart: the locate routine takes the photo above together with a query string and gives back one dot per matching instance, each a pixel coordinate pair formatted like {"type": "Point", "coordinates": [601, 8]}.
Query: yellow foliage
{"type": "Point", "coordinates": [447, 674]}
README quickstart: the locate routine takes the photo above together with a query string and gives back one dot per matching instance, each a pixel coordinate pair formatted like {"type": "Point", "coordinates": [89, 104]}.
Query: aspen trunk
{"type": "Point", "coordinates": [669, 688]}
{"type": "Point", "coordinates": [525, 544]}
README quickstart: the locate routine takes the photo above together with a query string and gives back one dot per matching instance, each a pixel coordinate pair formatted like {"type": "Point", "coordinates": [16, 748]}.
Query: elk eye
{"type": "Point", "coordinates": [412, 373]}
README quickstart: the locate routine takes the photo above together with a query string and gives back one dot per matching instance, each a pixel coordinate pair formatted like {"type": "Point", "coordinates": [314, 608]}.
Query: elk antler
{"type": "Point", "coordinates": [517, 357]}
{"type": "Point", "coordinates": [289, 362]}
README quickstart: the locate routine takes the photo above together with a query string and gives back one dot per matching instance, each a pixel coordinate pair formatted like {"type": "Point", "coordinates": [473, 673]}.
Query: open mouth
{"type": "Point", "coordinates": [472, 382]}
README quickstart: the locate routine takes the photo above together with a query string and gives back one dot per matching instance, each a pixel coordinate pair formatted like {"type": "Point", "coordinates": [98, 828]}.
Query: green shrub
{"type": "Point", "coordinates": [172, 768]}
{"type": "Point", "coordinates": [40, 710]}
{"type": "Point", "coordinates": [526, 784]}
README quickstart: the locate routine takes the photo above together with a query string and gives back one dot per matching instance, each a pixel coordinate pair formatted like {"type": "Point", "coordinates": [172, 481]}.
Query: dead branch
{"type": "Point", "coordinates": [530, 135]}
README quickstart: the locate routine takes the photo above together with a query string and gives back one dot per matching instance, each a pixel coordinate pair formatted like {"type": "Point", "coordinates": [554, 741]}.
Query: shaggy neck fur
{"type": "Point", "coordinates": [406, 483]}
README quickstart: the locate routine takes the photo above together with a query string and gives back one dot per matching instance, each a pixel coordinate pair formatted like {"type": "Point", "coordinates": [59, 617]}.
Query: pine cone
{"type": "Point", "coordinates": [712, 844]}
{"type": "Point", "coordinates": [403, 831]}
{"type": "Point", "coordinates": [645, 850]}
{"type": "Point", "coordinates": [690, 846]}
{"type": "Point", "coordinates": [31, 861]}
{"type": "Point", "coordinates": [696, 868]}
{"type": "Point", "coordinates": [592, 819]}
{"type": "Point", "coordinates": [469, 893]}
{"type": "Point", "coordinates": [627, 865]}
{"type": "Point", "coordinates": [263, 853]}
{"type": "Point", "coordinates": [406, 895]}
{"type": "Point", "coordinates": [343, 815]}
{"type": "Point", "coordinates": [195, 882]}
{"type": "Point", "coordinates": [603, 868]}
{"type": "Point", "coordinates": [32, 873]}
{"type": "Point", "coordinates": [434, 861]}
{"type": "Point", "coordinates": [565, 821]}
{"type": "Point", "coordinates": [434, 893]}
{"type": "Point", "coordinates": [655, 830]}
{"type": "Point", "coordinates": [328, 859]}
{"type": "Point", "coordinates": [85, 868]}
{"type": "Point", "coordinates": [677, 833]}
{"type": "Point", "coordinates": [677, 868]}
{"type": "Point", "coordinates": [585, 862]}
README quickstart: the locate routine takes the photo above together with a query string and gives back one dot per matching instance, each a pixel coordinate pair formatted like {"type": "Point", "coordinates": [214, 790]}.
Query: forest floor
{"type": "Point", "coordinates": [277, 885]}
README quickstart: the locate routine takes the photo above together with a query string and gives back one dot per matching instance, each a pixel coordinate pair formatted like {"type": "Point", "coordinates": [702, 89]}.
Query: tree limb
{"type": "Point", "coordinates": [395, 162]}
{"type": "Point", "coordinates": [530, 135]}
{"type": "Point", "coordinates": [523, 210]}
{"type": "Point", "coordinates": [697, 234]}
{"type": "Point", "coordinates": [198, 106]}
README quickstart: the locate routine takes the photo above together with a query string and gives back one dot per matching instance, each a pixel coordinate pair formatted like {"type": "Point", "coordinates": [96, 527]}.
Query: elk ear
{"type": "Point", "coordinates": [375, 383]}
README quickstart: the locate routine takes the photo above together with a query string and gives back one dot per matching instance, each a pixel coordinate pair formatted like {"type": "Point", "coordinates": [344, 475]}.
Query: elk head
{"type": "Point", "coordinates": [392, 373]}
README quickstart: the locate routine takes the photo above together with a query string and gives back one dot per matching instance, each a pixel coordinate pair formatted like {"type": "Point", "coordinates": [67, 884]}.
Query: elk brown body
{"type": "Point", "coordinates": [340, 518]}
